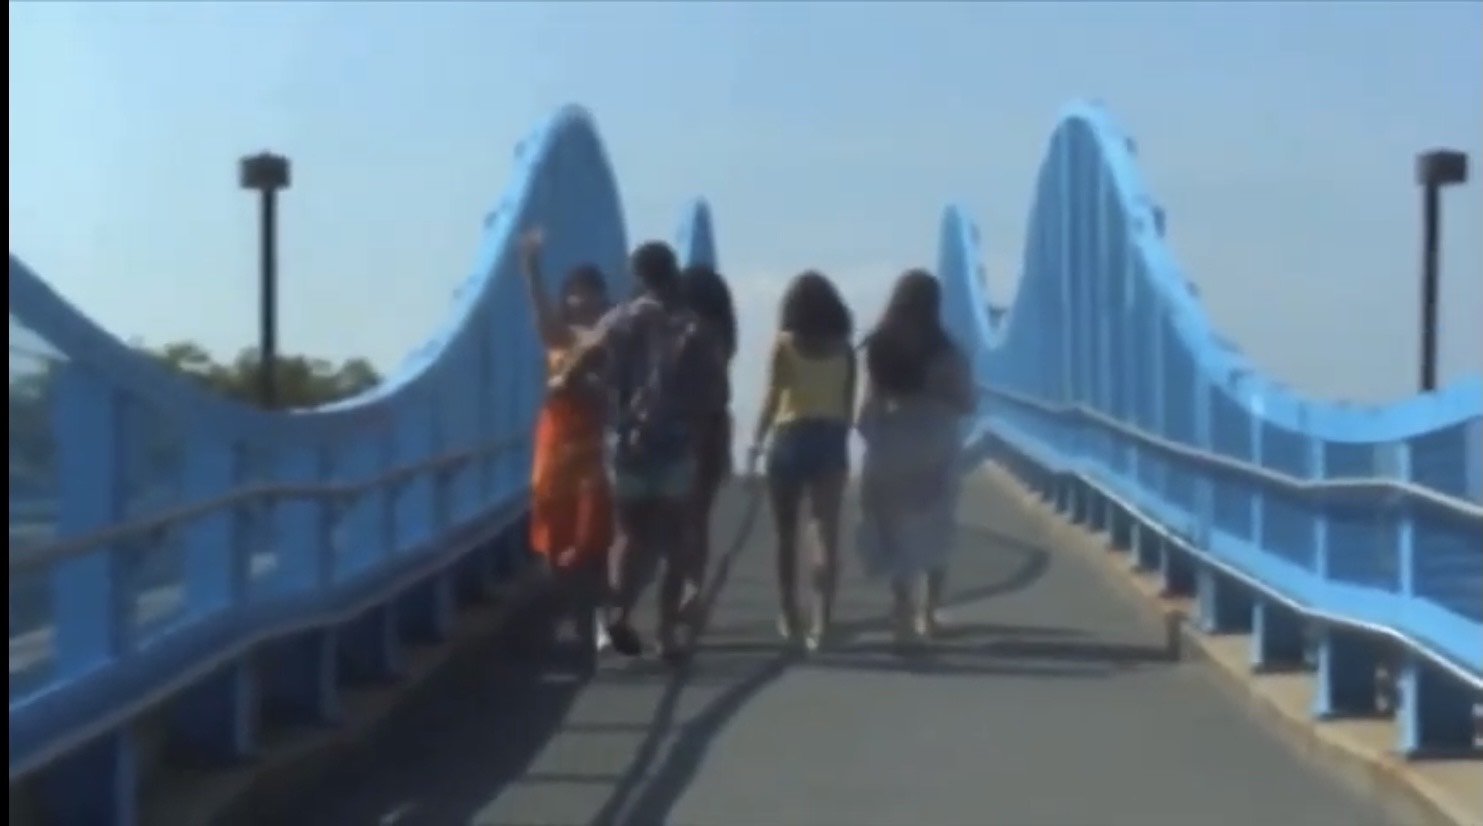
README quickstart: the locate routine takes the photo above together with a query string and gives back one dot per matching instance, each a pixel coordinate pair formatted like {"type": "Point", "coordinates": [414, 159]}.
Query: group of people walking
{"type": "Point", "coordinates": [634, 440]}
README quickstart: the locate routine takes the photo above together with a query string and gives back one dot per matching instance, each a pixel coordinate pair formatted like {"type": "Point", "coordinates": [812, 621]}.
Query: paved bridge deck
{"type": "Point", "coordinates": [1054, 702]}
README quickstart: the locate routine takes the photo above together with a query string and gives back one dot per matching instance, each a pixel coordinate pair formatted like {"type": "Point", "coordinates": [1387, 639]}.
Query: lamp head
{"type": "Point", "coordinates": [1441, 167]}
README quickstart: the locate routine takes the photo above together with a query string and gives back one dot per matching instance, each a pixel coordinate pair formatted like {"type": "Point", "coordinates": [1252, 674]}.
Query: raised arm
{"type": "Point", "coordinates": [548, 323]}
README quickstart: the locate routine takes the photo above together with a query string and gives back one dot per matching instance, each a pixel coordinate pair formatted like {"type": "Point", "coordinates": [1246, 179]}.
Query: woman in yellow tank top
{"type": "Point", "coordinates": [808, 411]}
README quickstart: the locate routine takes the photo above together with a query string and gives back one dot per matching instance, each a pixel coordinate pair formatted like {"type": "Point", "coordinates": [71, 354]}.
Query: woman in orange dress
{"type": "Point", "coordinates": [571, 512]}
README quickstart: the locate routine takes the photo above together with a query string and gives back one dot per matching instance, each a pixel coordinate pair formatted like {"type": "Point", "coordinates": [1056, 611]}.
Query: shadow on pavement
{"type": "Point", "coordinates": [500, 713]}
{"type": "Point", "coordinates": [498, 710]}
{"type": "Point", "coordinates": [647, 793]}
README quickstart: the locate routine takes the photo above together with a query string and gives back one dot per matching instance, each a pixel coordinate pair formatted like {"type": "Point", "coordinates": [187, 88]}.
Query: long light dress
{"type": "Point", "coordinates": [910, 475]}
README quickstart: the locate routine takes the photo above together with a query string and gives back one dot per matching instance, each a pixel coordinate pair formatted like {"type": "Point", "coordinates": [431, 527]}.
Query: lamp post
{"type": "Point", "coordinates": [1435, 169]}
{"type": "Point", "coordinates": [266, 174]}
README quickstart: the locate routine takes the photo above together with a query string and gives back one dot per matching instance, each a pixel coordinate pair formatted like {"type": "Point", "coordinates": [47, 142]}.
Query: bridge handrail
{"type": "Point", "coordinates": [1106, 367]}
{"type": "Point", "coordinates": [43, 556]}
{"type": "Point", "coordinates": [440, 446]}
{"type": "Point", "coordinates": [1385, 484]}
{"type": "Point", "coordinates": [1471, 675]}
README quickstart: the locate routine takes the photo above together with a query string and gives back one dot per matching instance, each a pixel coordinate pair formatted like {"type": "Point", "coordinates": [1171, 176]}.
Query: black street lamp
{"type": "Point", "coordinates": [266, 174]}
{"type": "Point", "coordinates": [1435, 169]}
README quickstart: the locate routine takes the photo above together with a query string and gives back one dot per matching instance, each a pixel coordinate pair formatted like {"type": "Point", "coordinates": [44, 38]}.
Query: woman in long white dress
{"type": "Point", "coordinates": [918, 390]}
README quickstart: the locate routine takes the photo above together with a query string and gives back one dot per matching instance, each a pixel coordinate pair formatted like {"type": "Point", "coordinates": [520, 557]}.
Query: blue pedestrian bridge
{"type": "Point", "coordinates": [203, 593]}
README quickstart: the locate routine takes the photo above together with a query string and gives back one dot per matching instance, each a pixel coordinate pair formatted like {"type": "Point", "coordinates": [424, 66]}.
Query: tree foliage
{"type": "Point", "coordinates": [302, 381]}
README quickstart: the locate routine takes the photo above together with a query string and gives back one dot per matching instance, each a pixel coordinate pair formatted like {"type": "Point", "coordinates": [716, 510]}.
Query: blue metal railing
{"type": "Point", "coordinates": [182, 561]}
{"type": "Point", "coordinates": [1347, 536]}
{"type": "Point", "coordinates": [176, 557]}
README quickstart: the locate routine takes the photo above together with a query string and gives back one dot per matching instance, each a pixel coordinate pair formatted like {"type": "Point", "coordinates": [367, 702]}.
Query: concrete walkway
{"type": "Point", "coordinates": [1052, 703]}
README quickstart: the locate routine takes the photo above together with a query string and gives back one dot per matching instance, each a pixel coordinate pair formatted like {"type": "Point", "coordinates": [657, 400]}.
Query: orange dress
{"type": "Point", "coordinates": [571, 504]}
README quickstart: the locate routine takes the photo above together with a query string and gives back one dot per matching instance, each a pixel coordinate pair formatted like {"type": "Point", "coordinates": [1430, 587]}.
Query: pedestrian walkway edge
{"type": "Point", "coordinates": [1423, 793]}
{"type": "Point", "coordinates": [295, 760]}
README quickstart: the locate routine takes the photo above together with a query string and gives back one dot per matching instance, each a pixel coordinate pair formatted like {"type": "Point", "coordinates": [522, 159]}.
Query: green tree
{"type": "Point", "coordinates": [301, 381]}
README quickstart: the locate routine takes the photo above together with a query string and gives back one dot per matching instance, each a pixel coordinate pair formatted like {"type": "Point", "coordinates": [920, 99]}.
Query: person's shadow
{"type": "Point", "coordinates": [497, 708]}
{"type": "Point", "coordinates": [647, 793]}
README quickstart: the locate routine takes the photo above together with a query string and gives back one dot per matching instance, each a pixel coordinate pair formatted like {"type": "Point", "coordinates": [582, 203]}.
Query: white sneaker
{"type": "Point", "coordinates": [941, 621]}
{"type": "Point", "coordinates": [787, 629]}
{"type": "Point", "coordinates": [600, 636]}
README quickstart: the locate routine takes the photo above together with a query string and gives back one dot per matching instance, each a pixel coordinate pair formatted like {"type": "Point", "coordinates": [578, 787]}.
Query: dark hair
{"type": "Point", "coordinates": [813, 310]}
{"type": "Point", "coordinates": [909, 335]}
{"type": "Point", "coordinates": [584, 277]}
{"type": "Point", "coordinates": [656, 268]}
{"type": "Point", "coordinates": [706, 294]}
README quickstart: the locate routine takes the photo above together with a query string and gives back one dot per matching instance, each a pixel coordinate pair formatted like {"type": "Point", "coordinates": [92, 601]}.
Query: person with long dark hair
{"type": "Point", "coordinates": [707, 295]}
{"type": "Point", "coordinates": [663, 372]}
{"type": "Point", "coordinates": [918, 389]}
{"type": "Point", "coordinates": [808, 407]}
{"type": "Point", "coordinates": [571, 509]}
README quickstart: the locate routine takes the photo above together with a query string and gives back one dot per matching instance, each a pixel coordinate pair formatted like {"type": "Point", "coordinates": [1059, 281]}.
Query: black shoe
{"type": "Point", "coordinates": [625, 640]}
{"type": "Point", "coordinates": [675, 655]}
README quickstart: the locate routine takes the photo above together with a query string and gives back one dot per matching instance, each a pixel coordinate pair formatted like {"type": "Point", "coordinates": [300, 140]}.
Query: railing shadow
{"type": "Point", "coordinates": [501, 711]}
{"type": "Point", "coordinates": [650, 788]}
{"type": "Point", "coordinates": [498, 708]}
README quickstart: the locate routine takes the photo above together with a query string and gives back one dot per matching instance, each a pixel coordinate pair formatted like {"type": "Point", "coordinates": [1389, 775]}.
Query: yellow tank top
{"type": "Point", "coordinates": [810, 387]}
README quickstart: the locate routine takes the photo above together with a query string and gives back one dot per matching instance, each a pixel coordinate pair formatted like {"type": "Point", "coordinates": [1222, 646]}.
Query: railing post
{"type": "Point", "coordinates": [1472, 440]}
{"type": "Point", "coordinates": [87, 601]}
{"type": "Point", "coordinates": [1224, 605]}
{"type": "Point", "coordinates": [304, 546]}
{"type": "Point", "coordinates": [215, 717]}
{"type": "Point", "coordinates": [1277, 642]}
{"type": "Point", "coordinates": [97, 783]}
{"type": "Point", "coordinates": [215, 567]}
{"type": "Point", "coordinates": [1204, 442]}
{"type": "Point", "coordinates": [1434, 709]}
{"type": "Point", "coordinates": [370, 645]}
{"type": "Point", "coordinates": [1405, 521]}
{"type": "Point", "coordinates": [1157, 466]}
{"type": "Point", "coordinates": [1348, 660]}
{"type": "Point", "coordinates": [1258, 493]}
{"type": "Point", "coordinates": [427, 612]}
{"type": "Point", "coordinates": [413, 440]}
{"type": "Point", "coordinates": [365, 517]}
{"type": "Point", "coordinates": [300, 675]}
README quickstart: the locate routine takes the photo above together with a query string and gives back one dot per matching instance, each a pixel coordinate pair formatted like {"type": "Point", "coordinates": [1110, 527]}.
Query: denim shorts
{"type": "Point", "coordinates": [805, 450]}
{"type": "Point", "coordinates": [660, 480]}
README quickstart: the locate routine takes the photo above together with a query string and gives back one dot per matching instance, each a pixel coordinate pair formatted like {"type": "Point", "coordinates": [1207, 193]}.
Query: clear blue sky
{"type": "Point", "coordinates": [1279, 137]}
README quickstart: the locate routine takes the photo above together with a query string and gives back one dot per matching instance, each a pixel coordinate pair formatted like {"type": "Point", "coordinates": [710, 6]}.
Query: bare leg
{"type": "Point", "coordinates": [584, 598]}
{"type": "Point", "coordinates": [901, 608]}
{"type": "Point", "coordinates": [699, 553]}
{"type": "Point", "coordinates": [825, 496]}
{"type": "Point", "coordinates": [672, 553]}
{"type": "Point", "coordinates": [712, 471]}
{"type": "Point", "coordinates": [630, 564]}
{"type": "Point", "coordinates": [930, 622]}
{"type": "Point", "coordinates": [785, 497]}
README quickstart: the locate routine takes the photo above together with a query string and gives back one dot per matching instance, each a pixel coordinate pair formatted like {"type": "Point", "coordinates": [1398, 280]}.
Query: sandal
{"type": "Point", "coordinates": [625, 640]}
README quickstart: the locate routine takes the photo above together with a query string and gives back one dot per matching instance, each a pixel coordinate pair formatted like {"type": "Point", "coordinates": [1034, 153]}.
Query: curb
{"type": "Point", "coordinates": [1403, 792]}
